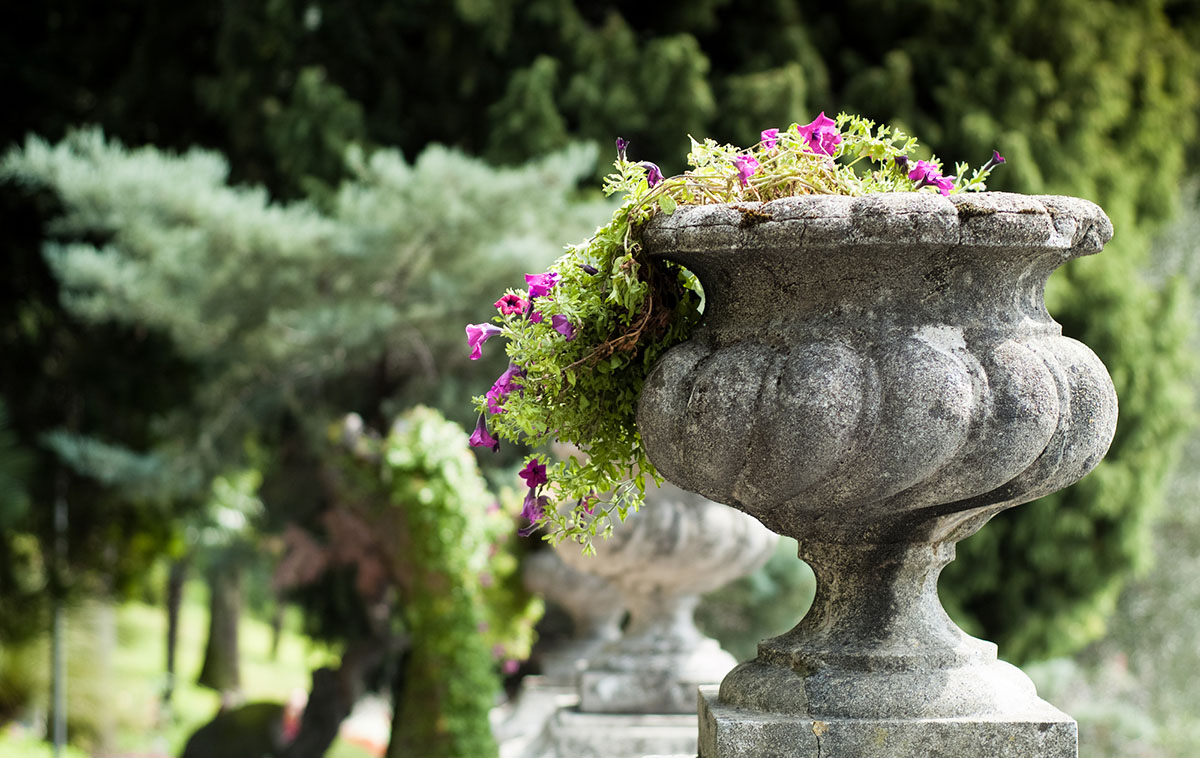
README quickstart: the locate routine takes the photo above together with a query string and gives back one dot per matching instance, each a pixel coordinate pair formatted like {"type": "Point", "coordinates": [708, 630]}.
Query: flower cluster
{"type": "Point", "coordinates": [582, 337]}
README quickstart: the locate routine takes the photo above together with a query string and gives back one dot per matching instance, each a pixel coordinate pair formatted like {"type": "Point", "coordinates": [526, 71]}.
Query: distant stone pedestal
{"type": "Point", "coordinates": [677, 547]}
{"type": "Point", "coordinates": [637, 694]}
{"type": "Point", "coordinates": [572, 734]}
{"type": "Point", "coordinates": [877, 377]}
{"type": "Point", "coordinates": [595, 607]}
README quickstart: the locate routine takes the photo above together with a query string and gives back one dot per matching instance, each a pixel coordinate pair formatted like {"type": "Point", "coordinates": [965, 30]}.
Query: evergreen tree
{"type": "Point", "coordinates": [1096, 99]}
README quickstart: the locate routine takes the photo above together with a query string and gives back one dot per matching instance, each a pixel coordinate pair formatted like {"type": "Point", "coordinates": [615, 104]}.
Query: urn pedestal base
{"type": "Point", "coordinates": [730, 732]}
{"type": "Point", "coordinates": [571, 734]}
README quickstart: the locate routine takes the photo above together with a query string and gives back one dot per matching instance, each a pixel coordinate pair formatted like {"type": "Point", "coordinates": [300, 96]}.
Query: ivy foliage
{"type": "Point", "coordinates": [461, 601]}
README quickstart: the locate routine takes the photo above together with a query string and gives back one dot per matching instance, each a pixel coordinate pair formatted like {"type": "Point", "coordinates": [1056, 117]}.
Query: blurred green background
{"type": "Point", "coordinates": [227, 225]}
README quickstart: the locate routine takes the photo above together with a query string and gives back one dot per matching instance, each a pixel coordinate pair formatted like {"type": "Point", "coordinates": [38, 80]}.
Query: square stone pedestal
{"type": "Point", "coordinates": [571, 734]}
{"type": "Point", "coordinates": [729, 732]}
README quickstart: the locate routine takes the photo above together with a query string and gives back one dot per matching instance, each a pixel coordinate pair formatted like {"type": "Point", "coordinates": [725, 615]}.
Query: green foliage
{"type": "Point", "coordinates": [455, 545]}
{"type": "Point", "coordinates": [14, 469]}
{"type": "Point", "coordinates": [578, 368]}
{"type": "Point", "coordinates": [284, 308]}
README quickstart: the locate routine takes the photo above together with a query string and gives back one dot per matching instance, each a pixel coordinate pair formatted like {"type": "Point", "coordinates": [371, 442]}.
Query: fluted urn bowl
{"type": "Point", "coordinates": [877, 377]}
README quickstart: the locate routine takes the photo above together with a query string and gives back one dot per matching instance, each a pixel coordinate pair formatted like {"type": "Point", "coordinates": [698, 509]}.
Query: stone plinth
{"type": "Point", "coordinates": [730, 732]}
{"type": "Point", "coordinates": [571, 734]}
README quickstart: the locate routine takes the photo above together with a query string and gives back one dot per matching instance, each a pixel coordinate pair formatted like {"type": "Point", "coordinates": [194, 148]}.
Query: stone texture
{"type": "Point", "coordinates": [677, 547]}
{"type": "Point", "coordinates": [731, 732]}
{"type": "Point", "coordinates": [593, 604]}
{"type": "Point", "coordinates": [570, 734]}
{"type": "Point", "coordinates": [518, 724]}
{"type": "Point", "coordinates": [877, 377]}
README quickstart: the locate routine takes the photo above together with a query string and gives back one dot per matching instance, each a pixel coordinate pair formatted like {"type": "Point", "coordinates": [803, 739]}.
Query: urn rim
{"type": "Point", "coordinates": [980, 220]}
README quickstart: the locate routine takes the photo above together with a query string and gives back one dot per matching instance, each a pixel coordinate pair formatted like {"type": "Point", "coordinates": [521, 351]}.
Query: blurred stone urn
{"type": "Point", "coordinates": [677, 547]}
{"type": "Point", "coordinates": [877, 377]}
{"type": "Point", "coordinates": [595, 607]}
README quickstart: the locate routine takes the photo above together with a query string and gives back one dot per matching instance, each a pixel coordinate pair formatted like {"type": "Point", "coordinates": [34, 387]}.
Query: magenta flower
{"type": "Point", "coordinates": [481, 437]}
{"type": "Point", "coordinates": [562, 326]}
{"type": "Point", "coordinates": [926, 174]}
{"type": "Point", "coordinates": [534, 473]}
{"type": "Point", "coordinates": [994, 161]}
{"type": "Point", "coordinates": [535, 317]}
{"type": "Point", "coordinates": [822, 135]}
{"type": "Point", "coordinates": [511, 666]}
{"type": "Point", "coordinates": [746, 166]}
{"type": "Point", "coordinates": [541, 284]}
{"type": "Point", "coordinates": [654, 174]}
{"type": "Point", "coordinates": [506, 382]}
{"type": "Point", "coordinates": [534, 510]}
{"type": "Point", "coordinates": [769, 138]}
{"type": "Point", "coordinates": [588, 503]}
{"type": "Point", "coordinates": [622, 145]}
{"type": "Point", "coordinates": [495, 400]}
{"type": "Point", "coordinates": [510, 304]}
{"type": "Point", "coordinates": [477, 334]}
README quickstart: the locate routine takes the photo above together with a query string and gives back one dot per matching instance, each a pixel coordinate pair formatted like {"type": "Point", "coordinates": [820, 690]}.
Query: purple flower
{"type": "Point", "coordinates": [769, 138]}
{"type": "Point", "coordinates": [506, 382]}
{"type": "Point", "coordinates": [534, 474]}
{"type": "Point", "coordinates": [534, 510]}
{"type": "Point", "coordinates": [926, 174]}
{"type": "Point", "coordinates": [994, 161]}
{"type": "Point", "coordinates": [621, 147]}
{"type": "Point", "coordinates": [822, 135]}
{"type": "Point", "coordinates": [746, 166]}
{"type": "Point", "coordinates": [477, 334]}
{"type": "Point", "coordinates": [495, 398]}
{"type": "Point", "coordinates": [510, 304]}
{"type": "Point", "coordinates": [535, 317]}
{"type": "Point", "coordinates": [510, 666]}
{"type": "Point", "coordinates": [901, 162]}
{"type": "Point", "coordinates": [589, 270]}
{"type": "Point", "coordinates": [654, 174]}
{"type": "Point", "coordinates": [481, 437]}
{"type": "Point", "coordinates": [588, 503]}
{"type": "Point", "coordinates": [541, 284]}
{"type": "Point", "coordinates": [562, 326]}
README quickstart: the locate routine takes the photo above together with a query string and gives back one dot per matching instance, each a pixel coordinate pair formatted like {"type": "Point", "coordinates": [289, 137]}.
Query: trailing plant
{"type": "Point", "coordinates": [582, 336]}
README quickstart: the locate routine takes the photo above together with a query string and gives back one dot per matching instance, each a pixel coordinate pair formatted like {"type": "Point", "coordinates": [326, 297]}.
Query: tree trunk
{"type": "Point", "coordinates": [176, 578]}
{"type": "Point", "coordinates": [276, 626]}
{"type": "Point", "coordinates": [220, 670]}
{"type": "Point", "coordinates": [333, 696]}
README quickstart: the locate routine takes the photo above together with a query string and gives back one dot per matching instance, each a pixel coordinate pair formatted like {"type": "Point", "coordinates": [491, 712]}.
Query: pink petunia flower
{"type": "Point", "coordinates": [746, 166]}
{"type": "Point", "coordinates": [510, 304]}
{"type": "Point", "coordinates": [822, 135]}
{"type": "Point", "coordinates": [477, 334]}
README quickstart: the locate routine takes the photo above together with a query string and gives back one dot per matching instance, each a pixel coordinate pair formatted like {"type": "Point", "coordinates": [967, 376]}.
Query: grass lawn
{"type": "Point", "coordinates": [142, 727]}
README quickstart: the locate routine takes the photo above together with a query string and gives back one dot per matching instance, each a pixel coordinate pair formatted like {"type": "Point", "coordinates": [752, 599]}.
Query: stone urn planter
{"type": "Point", "coordinates": [877, 377]}
{"type": "Point", "coordinates": [662, 559]}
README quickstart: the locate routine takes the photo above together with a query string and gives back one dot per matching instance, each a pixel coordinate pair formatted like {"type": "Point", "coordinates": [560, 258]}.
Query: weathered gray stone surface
{"type": "Point", "coordinates": [663, 558]}
{"type": "Point", "coordinates": [877, 377]}
{"type": "Point", "coordinates": [594, 605]}
{"type": "Point", "coordinates": [571, 734]}
{"type": "Point", "coordinates": [730, 732]}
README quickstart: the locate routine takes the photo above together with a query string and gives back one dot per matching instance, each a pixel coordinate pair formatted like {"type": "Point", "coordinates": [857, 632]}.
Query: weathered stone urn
{"type": "Point", "coordinates": [877, 377]}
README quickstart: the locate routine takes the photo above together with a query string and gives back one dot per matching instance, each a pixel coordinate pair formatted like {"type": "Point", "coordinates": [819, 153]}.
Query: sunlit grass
{"type": "Point", "coordinates": [143, 726]}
